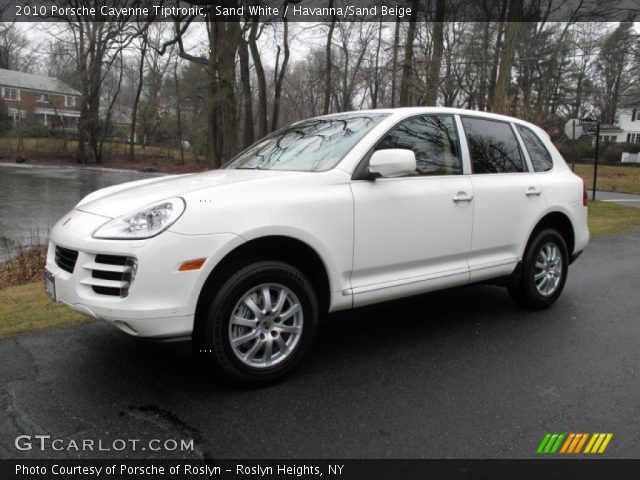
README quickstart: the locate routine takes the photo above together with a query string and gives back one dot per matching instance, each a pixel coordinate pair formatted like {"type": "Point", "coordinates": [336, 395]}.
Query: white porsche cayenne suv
{"type": "Point", "coordinates": [327, 214]}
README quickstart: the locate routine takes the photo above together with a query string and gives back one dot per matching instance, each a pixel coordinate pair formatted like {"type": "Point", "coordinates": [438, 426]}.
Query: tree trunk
{"type": "Point", "coordinates": [247, 98]}
{"type": "Point", "coordinates": [431, 95]}
{"type": "Point", "coordinates": [178, 111]}
{"type": "Point", "coordinates": [212, 152]}
{"type": "Point", "coordinates": [136, 101]}
{"type": "Point", "coordinates": [376, 72]}
{"type": "Point", "coordinates": [261, 79]}
{"type": "Point", "coordinates": [394, 64]}
{"type": "Point", "coordinates": [496, 55]}
{"type": "Point", "coordinates": [280, 77]}
{"type": "Point", "coordinates": [328, 64]}
{"type": "Point", "coordinates": [227, 77]}
{"type": "Point", "coordinates": [407, 66]}
{"type": "Point", "coordinates": [501, 103]}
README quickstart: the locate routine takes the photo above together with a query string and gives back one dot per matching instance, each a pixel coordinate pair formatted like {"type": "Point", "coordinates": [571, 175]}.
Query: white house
{"type": "Point", "coordinates": [627, 128]}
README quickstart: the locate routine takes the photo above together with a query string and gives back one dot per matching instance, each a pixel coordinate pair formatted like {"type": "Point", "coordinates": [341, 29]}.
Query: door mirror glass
{"type": "Point", "coordinates": [392, 162]}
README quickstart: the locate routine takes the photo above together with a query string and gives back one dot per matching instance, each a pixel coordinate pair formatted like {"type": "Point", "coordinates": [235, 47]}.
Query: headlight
{"type": "Point", "coordinates": [144, 223]}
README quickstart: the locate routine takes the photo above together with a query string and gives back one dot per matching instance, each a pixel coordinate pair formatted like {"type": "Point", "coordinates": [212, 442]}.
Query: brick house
{"type": "Point", "coordinates": [38, 98]}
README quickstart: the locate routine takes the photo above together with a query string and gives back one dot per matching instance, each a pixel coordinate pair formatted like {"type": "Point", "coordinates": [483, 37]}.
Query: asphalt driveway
{"type": "Point", "coordinates": [457, 374]}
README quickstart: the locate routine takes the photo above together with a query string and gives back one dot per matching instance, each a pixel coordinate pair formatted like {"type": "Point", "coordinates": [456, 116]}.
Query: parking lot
{"type": "Point", "coordinates": [458, 374]}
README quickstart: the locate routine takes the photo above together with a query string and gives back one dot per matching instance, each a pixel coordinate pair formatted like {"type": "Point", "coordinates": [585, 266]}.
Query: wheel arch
{"type": "Point", "coordinates": [275, 247]}
{"type": "Point", "coordinates": [560, 222]}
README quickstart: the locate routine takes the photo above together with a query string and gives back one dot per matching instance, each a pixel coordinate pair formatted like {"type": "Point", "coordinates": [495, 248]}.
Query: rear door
{"type": "Point", "coordinates": [508, 199]}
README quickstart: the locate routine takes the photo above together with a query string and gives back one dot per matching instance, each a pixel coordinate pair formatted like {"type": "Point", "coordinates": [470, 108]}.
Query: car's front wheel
{"type": "Point", "coordinates": [260, 323]}
{"type": "Point", "coordinates": [544, 271]}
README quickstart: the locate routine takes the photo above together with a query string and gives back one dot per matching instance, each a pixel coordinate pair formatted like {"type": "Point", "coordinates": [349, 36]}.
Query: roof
{"type": "Point", "coordinates": [631, 100]}
{"type": "Point", "coordinates": [405, 112]}
{"type": "Point", "coordinates": [120, 114]}
{"type": "Point", "coordinates": [610, 128]}
{"type": "Point", "coordinates": [13, 78]}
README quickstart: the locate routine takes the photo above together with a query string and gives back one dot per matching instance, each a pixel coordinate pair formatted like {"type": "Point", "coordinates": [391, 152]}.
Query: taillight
{"type": "Point", "coordinates": [585, 195]}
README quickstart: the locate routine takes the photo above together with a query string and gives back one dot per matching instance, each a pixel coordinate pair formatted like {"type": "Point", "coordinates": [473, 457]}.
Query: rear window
{"type": "Point", "coordinates": [540, 157]}
{"type": "Point", "coordinates": [493, 146]}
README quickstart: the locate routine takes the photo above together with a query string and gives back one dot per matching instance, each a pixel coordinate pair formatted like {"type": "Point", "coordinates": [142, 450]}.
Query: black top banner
{"type": "Point", "coordinates": [320, 10]}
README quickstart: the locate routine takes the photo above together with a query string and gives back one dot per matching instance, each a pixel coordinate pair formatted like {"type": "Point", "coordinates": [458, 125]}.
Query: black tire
{"type": "Point", "coordinates": [526, 293]}
{"type": "Point", "coordinates": [213, 335]}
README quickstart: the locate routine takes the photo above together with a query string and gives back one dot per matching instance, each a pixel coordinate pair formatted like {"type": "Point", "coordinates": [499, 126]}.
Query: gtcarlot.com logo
{"type": "Point", "coordinates": [572, 443]}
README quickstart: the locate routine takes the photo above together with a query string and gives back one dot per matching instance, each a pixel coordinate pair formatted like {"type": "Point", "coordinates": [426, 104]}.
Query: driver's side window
{"type": "Point", "coordinates": [433, 139]}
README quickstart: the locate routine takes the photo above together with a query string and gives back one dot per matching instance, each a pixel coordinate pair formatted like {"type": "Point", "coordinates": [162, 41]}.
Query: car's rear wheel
{"type": "Point", "coordinates": [259, 323]}
{"type": "Point", "coordinates": [544, 271]}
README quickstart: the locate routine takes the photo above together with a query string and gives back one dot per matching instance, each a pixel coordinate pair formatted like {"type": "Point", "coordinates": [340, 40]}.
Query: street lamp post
{"type": "Point", "coordinates": [595, 161]}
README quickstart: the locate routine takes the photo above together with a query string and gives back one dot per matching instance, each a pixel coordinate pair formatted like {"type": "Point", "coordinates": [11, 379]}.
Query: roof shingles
{"type": "Point", "coordinates": [12, 78]}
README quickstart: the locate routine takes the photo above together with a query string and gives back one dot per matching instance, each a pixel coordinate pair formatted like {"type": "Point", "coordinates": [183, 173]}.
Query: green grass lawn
{"type": "Point", "coordinates": [26, 308]}
{"type": "Point", "coordinates": [607, 218]}
{"type": "Point", "coordinates": [612, 178]}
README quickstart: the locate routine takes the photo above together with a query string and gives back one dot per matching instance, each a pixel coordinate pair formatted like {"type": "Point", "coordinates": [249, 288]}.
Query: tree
{"type": "Point", "coordinates": [436, 57]}
{"type": "Point", "coordinates": [328, 65]}
{"type": "Point", "coordinates": [407, 65]}
{"type": "Point", "coordinates": [279, 74]}
{"type": "Point", "coordinates": [96, 45]}
{"type": "Point", "coordinates": [134, 111]}
{"type": "Point", "coordinates": [501, 95]}
{"type": "Point", "coordinates": [254, 34]}
{"type": "Point", "coordinates": [6, 123]}
{"type": "Point", "coordinates": [15, 53]}
{"type": "Point", "coordinates": [612, 66]}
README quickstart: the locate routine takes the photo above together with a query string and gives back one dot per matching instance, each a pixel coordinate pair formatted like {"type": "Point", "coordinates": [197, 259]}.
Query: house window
{"type": "Point", "coordinates": [16, 115]}
{"type": "Point", "coordinates": [11, 93]}
{"type": "Point", "coordinates": [43, 98]}
{"type": "Point", "coordinates": [69, 101]}
{"type": "Point", "coordinates": [633, 137]}
{"type": "Point", "coordinates": [634, 114]}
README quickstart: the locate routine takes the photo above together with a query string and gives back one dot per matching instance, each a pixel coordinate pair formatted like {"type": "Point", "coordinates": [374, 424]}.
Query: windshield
{"type": "Point", "coordinates": [311, 145]}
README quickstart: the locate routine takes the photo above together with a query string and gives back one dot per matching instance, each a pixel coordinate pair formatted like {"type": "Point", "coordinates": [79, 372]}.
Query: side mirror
{"type": "Point", "coordinates": [392, 162]}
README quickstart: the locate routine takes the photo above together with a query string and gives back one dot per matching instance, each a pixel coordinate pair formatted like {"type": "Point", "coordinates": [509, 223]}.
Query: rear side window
{"type": "Point", "coordinates": [493, 146]}
{"type": "Point", "coordinates": [540, 157]}
{"type": "Point", "coordinates": [434, 140]}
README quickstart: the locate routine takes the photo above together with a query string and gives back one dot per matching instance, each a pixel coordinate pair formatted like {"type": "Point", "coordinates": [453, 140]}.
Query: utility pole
{"type": "Point", "coordinates": [595, 161]}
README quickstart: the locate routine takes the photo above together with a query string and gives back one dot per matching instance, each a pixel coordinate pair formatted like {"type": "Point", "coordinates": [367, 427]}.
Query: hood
{"type": "Point", "coordinates": [127, 197]}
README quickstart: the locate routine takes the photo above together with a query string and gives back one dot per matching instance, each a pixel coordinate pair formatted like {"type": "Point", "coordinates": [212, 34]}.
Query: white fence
{"type": "Point", "coordinates": [630, 157]}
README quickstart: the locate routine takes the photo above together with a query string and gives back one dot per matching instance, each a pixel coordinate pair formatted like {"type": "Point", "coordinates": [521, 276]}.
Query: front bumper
{"type": "Point", "coordinates": [161, 301]}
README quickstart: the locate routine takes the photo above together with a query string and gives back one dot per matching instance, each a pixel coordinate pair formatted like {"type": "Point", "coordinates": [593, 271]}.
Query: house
{"type": "Point", "coordinates": [120, 120]}
{"type": "Point", "coordinates": [38, 98]}
{"type": "Point", "coordinates": [627, 128]}
{"type": "Point", "coordinates": [629, 119]}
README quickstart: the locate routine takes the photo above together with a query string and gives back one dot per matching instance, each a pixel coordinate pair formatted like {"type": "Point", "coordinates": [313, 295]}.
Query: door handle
{"type": "Point", "coordinates": [462, 197]}
{"type": "Point", "coordinates": [533, 191]}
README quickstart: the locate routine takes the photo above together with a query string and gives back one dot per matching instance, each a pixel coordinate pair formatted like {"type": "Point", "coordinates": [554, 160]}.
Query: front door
{"type": "Point", "coordinates": [412, 234]}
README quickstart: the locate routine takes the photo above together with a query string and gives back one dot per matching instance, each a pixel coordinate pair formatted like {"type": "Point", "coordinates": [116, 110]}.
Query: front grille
{"type": "Point", "coordinates": [111, 259]}
{"type": "Point", "coordinates": [112, 274]}
{"type": "Point", "coordinates": [66, 259]}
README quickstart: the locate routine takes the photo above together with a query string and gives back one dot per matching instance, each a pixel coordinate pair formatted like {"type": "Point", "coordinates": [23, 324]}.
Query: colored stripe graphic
{"type": "Point", "coordinates": [573, 443]}
{"type": "Point", "coordinates": [568, 442]}
{"type": "Point", "coordinates": [550, 443]}
{"type": "Point", "coordinates": [598, 443]}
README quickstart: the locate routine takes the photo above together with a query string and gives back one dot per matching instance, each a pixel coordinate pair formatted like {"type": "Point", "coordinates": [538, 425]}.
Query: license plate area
{"type": "Point", "coordinates": [50, 285]}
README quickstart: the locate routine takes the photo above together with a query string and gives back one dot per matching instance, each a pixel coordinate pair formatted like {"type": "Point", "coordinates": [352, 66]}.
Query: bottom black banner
{"type": "Point", "coordinates": [313, 469]}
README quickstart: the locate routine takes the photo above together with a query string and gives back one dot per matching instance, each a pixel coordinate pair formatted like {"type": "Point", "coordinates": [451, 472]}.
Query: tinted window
{"type": "Point", "coordinates": [493, 146]}
{"type": "Point", "coordinates": [540, 157]}
{"type": "Point", "coordinates": [312, 145]}
{"type": "Point", "coordinates": [433, 139]}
